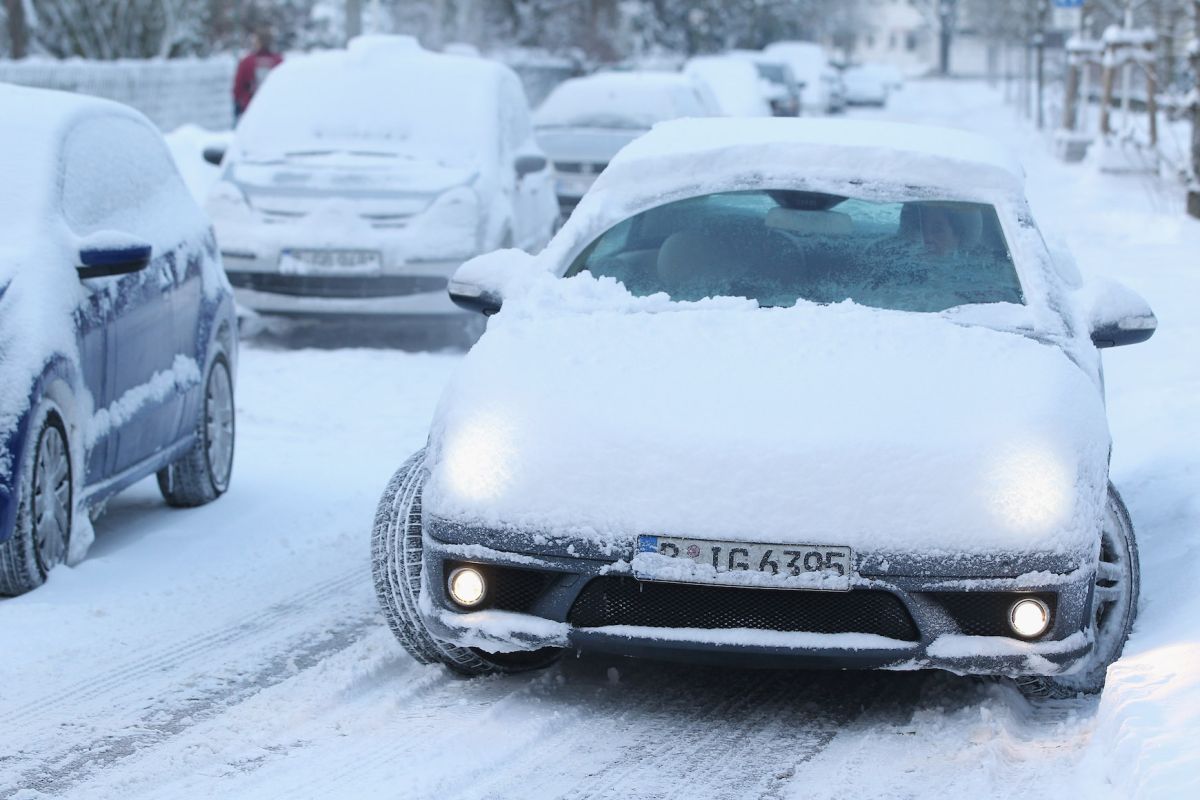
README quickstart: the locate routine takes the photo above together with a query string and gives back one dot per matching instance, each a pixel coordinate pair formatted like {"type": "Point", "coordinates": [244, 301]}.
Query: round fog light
{"type": "Point", "coordinates": [466, 586]}
{"type": "Point", "coordinates": [1029, 617]}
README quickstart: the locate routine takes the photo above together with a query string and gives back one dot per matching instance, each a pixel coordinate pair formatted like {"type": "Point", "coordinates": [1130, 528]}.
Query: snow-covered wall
{"type": "Point", "coordinates": [171, 92]}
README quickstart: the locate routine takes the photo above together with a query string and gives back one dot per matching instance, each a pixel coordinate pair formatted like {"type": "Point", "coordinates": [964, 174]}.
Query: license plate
{"type": "Point", "coordinates": [808, 566]}
{"type": "Point", "coordinates": [302, 261]}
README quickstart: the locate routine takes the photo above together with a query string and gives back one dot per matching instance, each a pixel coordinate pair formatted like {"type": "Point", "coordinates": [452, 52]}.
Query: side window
{"type": "Point", "coordinates": [118, 175]}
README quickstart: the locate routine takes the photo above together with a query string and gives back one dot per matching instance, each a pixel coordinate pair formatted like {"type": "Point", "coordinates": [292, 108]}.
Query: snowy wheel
{"type": "Point", "coordinates": [44, 511]}
{"type": "Point", "coordinates": [1114, 607]}
{"type": "Point", "coordinates": [202, 474]}
{"type": "Point", "coordinates": [396, 546]}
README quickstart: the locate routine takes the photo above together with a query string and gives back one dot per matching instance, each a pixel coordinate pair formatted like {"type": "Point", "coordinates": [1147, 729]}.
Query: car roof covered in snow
{"type": "Point", "coordinates": [35, 122]}
{"type": "Point", "coordinates": [917, 155]}
{"type": "Point", "coordinates": [381, 93]}
{"type": "Point", "coordinates": [641, 98]}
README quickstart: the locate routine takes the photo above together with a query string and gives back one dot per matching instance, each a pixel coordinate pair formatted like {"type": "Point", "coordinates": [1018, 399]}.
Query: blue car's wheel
{"type": "Point", "coordinates": [1114, 608]}
{"type": "Point", "coordinates": [202, 475]}
{"type": "Point", "coordinates": [396, 548]}
{"type": "Point", "coordinates": [45, 509]}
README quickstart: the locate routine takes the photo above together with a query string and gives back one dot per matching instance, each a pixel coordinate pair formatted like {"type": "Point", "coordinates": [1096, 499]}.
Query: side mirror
{"type": "Point", "coordinates": [528, 164]}
{"type": "Point", "coordinates": [482, 283]}
{"type": "Point", "coordinates": [112, 253]}
{"type": "Point", "coordinates": [1117, 315]}
{"type": "Point", "coordinates": [214, 153]}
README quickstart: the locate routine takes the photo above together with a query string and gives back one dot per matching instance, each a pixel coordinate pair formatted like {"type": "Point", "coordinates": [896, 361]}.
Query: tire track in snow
{"type": "Point", "coordinates": [126, 674]}
{"type": "Point", "coordinates": [158, 724]}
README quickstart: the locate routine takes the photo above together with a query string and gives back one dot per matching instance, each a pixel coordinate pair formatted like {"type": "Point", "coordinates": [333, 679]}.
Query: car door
{"type": "Point", "coordinates": [112, 182]}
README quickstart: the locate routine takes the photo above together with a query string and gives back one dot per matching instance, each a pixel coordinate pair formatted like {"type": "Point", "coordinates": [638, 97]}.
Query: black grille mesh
{"type": "Point", "coordinates": [625, 601]}
{"type": "Point", "coordinates": [986, 613]}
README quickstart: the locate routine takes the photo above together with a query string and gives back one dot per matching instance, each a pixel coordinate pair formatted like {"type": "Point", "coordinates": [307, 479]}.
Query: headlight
{"type": "Point", "coordinates": [1030, 488]}
{"type": "Point", "coordinates": [478, 458]}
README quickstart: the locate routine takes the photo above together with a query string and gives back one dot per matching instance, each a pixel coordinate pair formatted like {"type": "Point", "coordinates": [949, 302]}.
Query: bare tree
{"type": "Point", "coordinates": [1193, 200]}
{"type": "Point", "coordinates": [18, 28]}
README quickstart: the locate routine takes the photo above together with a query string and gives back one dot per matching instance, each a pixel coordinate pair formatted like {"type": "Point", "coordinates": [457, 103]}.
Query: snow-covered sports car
{"type": "Point", "coordinates": [806, 392]}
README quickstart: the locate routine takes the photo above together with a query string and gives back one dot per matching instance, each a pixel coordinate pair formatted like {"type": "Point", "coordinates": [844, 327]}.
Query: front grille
{"type": "Point", "coordinates": [568, 166]}
{"type": "Point", "coordinates": [986, 613]}
{"type": "Point", "coordinates": [353, 286]}
{"type": "Point", "coordinates": [509, 588]}
{"type": "Point", "coordinates": [626, 601]}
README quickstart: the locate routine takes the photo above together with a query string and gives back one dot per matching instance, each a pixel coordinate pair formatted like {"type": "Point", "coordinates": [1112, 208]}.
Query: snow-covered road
{"type": "Point", "coordinates": [236, 650]}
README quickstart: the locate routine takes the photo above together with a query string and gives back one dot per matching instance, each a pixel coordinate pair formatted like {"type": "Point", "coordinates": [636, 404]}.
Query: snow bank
{"type": "Point", "coordinates": [596, 414]}
{"type": "Point", "coordinates": [187, 144]}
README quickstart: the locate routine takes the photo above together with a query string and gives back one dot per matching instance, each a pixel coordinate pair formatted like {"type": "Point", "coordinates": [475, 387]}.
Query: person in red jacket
{"type": "Point", "coordinates": [252, 71]}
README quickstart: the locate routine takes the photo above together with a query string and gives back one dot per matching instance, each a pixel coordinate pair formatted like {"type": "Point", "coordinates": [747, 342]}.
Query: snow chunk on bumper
{"type": "Point", "coordinates": [879, 430]}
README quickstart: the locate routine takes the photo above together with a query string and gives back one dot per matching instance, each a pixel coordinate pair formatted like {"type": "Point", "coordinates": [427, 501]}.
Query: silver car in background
{"type": "Point", "coordinates": [360, 179]}
{"type": "Point", "coordinates": [585, 121]}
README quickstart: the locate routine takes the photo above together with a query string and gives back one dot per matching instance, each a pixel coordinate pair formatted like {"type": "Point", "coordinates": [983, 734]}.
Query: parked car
{"type": "Point", "coordinates": [795, 392]}
{"type": "Point", "coordinates": [776, 81]}
{"type": "Point", "coordinates": [823, 93]}
{"type": "Point", "coordinates": [865, 86]}
{"type": "Point", "coordinates": [585, 121]}
{"type": "Point", "coordinates": [359, 180]}
{"type": "Point", "coordinates": [118, 339]}
{"type": "Point", "coordinates": [734, 82]}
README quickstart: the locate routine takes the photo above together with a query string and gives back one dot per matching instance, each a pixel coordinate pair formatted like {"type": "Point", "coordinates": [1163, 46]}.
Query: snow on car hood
{"type": "Point", "coordinates": [881, 430]}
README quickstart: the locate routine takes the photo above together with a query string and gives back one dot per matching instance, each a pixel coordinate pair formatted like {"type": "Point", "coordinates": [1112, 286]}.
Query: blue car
{"type": "Point", "coordinates": [118, 336]}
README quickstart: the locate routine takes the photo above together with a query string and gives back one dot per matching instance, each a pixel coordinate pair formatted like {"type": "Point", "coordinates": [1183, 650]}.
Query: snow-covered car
{"type": "Point", "coordinates": [734, 82]}
{"type": "Point", "coordinates": [797, 391]}
{"type": "Point", "coordinates": [776, 82]}
{"type": "Point", "coordinates": [865, 86]}
{"type": "Point", "coordinates": [118, 338]}
{"type": "Point", "coordinates": [360, 179]}
{"type": "Point", "coordinates": [585, 121]}
{"type": "Point", "coordinates": [822, 92]}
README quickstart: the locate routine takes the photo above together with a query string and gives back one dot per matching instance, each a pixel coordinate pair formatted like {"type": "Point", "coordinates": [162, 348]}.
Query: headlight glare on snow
{"type": "Point", "coordinates": [1029, 617]}
{"type": "Point", "coordinates": [479, 458]}
{"type": "Point", "coordinates": [1030, 488]}
{"type": "Point", "coordinates": [466, 586]}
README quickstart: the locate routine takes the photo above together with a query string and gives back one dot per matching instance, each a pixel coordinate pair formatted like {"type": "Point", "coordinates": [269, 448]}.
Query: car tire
{"type": "Point", "coordinates": [396, 561]}
{"type": "Point", "coordinates": [40, 542]}
{"type": "Point", "coordinates": [1114, 617]}
{"type": "Point", "coordinates": [202, 474]}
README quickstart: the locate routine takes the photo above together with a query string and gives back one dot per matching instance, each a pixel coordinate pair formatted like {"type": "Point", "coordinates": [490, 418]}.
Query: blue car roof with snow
{"type": "Point", "coordinates": [898, 153]}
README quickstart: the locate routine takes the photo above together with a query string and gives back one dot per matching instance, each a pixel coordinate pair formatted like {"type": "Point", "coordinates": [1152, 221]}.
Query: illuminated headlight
{"type": "Point", "coordinates": [1029, 617]}
{"type": "Point", "coordinates": [478, 458]}
{"type": "Point", "coordinates": [466, 586]}
{"type": "Point", "coordinates": [1031, 489]}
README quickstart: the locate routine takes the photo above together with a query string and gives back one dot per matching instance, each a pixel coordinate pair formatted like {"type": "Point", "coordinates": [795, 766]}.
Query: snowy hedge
{"type": "Point", "coordinates": [171, 92]}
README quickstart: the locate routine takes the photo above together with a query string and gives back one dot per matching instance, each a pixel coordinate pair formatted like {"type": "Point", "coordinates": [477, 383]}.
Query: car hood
{"type": "Point", "coordinates": [884, 431]}
{"type": "Point", "coordinates": [410, 184]}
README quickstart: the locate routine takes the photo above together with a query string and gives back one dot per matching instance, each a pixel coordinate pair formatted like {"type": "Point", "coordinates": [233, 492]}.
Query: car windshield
{"type": "Point", "coordinates": [772, 72]}
{"type": "Point", "coordinates": [778, 247]}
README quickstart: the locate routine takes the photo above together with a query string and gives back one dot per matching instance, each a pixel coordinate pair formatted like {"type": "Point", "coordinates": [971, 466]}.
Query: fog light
{"type": "Point", "coordinates": [466, 586]}
{"type": "Point", "coordinates": [1029, 617]}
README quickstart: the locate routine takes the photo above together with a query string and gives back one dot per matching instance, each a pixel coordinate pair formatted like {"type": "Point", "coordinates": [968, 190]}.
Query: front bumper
{"type": "Point", "coordinates": [579, 595]}
{"type": "Point", "coordinates": [417, 288]}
